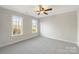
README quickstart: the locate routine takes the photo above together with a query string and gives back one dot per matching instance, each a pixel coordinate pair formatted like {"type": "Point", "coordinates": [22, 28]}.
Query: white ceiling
{"type": "Point", "coordinates": [29, 9]}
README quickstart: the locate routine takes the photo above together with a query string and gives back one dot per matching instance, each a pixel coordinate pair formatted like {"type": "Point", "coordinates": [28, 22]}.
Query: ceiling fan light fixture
{"type": "Point", "coordinates": [42, 10]}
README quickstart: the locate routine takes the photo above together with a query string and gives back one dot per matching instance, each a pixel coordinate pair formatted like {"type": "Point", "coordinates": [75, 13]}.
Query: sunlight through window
{"type": "Point", "coordinates": [17, 25]}
{"type": "Point", "coordinates": [34, 26]}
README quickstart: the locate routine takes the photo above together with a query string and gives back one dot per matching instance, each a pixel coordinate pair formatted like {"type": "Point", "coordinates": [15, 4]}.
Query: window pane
{"type": "Point", "coordinates": [17, 25]}
{"type": "Point", "coordinates": [34, 26]}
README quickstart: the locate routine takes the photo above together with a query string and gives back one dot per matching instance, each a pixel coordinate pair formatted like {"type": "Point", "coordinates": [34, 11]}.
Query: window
{"type": "Point", "coordinates": [34, 26]}
{"type": "Point", "coordinates": [17, 25]}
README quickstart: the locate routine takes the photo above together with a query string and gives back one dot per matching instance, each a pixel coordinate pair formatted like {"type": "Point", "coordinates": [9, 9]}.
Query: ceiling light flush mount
{"type": "Point", "coordinates": [42, 10]}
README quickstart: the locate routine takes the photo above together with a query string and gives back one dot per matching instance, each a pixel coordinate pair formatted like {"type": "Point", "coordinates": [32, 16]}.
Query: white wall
{"type": "Point", "coordinates": [60, 27]}
{"type": "Point", "coordinates": [5, 27]}
{"type": "Point", "coordinates": [78, 27]}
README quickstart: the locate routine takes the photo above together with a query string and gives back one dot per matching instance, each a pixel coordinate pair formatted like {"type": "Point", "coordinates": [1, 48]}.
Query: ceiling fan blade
{"type": "Point", "coordinates": [37, 11]}
{"type": "Point", "coordinates": [38, 14]}
{"type": "Point", "coordinates": [45, 13]}
{"type": "Point", "coordinates": [48, 9]}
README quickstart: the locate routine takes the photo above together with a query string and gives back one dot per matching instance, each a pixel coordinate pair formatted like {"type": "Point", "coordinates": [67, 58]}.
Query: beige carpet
{"type": "Point", "coordinates": [40, 45]}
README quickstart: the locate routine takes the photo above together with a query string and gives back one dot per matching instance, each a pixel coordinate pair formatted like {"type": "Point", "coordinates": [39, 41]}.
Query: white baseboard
{"type": "Point", "coordinates": [61, 40]}
{"type": "Point", "coordinates": [20, 40]}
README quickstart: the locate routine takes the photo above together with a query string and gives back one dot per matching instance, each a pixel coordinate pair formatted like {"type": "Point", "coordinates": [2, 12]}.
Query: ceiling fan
{"type": "Point", "coordinates": [43, 10]}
